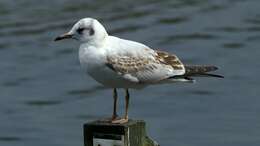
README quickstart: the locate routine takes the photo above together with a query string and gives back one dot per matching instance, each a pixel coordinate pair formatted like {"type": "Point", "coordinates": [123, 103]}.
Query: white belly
{"type": "Point", "coordinates": [109, 78]}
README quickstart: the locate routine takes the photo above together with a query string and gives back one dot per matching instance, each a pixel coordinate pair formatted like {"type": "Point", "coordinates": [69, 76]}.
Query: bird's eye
{"type": "Point", "coordinates": [91, 31]}
{"type": "Point", "coordinates": [80, 30]}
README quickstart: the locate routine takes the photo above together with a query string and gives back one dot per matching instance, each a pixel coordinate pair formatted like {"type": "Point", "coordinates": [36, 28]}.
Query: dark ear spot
{"type": "Point", "coordinates": [91, 31]}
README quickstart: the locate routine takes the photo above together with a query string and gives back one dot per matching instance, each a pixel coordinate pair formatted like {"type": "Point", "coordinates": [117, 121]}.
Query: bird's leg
{"type": "Point", "coordinates": [114, 116]}
{"type": "Point", "coordinates": [125, 119]}
{"type": "Point", "coordinates": [127, 96]}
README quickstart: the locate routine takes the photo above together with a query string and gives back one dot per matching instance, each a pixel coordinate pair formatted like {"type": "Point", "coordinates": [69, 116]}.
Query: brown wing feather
{"type": "Point", "coordinates": [132, 64]}
{"type": "Point", "coordinates": [169, 59]}
{"type": "Point", "coordinates": [158, 67]}
{"type": "Point", "coordinates": [125, 65]}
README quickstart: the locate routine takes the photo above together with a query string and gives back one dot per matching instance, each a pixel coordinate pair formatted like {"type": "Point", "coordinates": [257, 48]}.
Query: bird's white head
{"type": "Point", "coordinates": [86, 30]}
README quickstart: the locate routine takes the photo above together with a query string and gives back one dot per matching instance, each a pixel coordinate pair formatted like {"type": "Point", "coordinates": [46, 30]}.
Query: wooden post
{"type": "Point", "coordinates": [132, 133]}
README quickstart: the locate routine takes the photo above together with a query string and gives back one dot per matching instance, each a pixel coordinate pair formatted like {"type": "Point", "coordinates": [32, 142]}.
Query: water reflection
{"type": "Point", "coordinates": [86, 91]}
{"type": "Point", "coordinates": [42, 103]}
{"type": "Point", "coordinates": [175, 20]}
{"type": "Point", "coordinates": [187, 37]}
{"type": "Point", "coordinates": [10, 139]}
{"type": "Point", "coordinates": [233, 45]}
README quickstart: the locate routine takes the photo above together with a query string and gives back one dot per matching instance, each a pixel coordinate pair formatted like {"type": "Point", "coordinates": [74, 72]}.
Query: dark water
{"type": "Point", "coordinates": [45, 97]}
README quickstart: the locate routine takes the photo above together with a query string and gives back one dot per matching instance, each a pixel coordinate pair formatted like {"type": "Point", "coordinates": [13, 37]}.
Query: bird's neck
{"type": "Point", "coordinates": [97, 42]}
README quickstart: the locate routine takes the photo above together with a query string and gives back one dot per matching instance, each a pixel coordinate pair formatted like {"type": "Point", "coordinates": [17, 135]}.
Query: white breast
{"type": "Point", "coordinates": [93, 62]}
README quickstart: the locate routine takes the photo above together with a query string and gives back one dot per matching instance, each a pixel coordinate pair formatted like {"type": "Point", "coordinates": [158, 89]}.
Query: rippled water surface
{"type": "Point", "coordinates": [45, 97]}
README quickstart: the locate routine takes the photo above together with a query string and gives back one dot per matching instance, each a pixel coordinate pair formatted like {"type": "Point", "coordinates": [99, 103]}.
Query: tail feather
{"type": "Point", "coordinates": [197, 71]}
{"type": "Point", "coordinates": [200, 70]}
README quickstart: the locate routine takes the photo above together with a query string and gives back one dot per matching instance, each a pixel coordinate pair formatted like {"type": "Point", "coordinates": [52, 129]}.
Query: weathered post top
{"type": "Point", "coordinates": [101, 133]}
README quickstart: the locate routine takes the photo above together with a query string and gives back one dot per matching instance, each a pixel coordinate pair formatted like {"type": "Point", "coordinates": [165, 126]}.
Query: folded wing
{"type": "Point", "coordinates": [146, 69]}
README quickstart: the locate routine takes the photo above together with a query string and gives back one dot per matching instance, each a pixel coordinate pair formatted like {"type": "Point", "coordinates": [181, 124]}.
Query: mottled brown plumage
{"type": "Point", "coordinates": [129, 64]}
{"type": "Point", "coordinates": [134, 65]}
{"type": "Point", "coordinates": [169, 59]}
{"type": "Point", "coordinates": [143, 68]}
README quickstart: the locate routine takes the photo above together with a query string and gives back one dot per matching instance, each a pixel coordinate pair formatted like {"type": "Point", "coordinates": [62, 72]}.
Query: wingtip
{"type": "Point", "coordinates": [215, 75]}
{"type": "Point", "coordinates": [215, 68]}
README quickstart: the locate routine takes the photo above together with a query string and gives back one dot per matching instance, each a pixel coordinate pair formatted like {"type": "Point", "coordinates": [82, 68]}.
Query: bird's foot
{"type": "Point", "coordinates": [113, 118]}
{"type": "Point", "coordinates": [120, 121]}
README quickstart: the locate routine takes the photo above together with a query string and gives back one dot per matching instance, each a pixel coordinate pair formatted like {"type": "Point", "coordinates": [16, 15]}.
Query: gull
{"type": "Point", "coordinates": [124, 64]}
